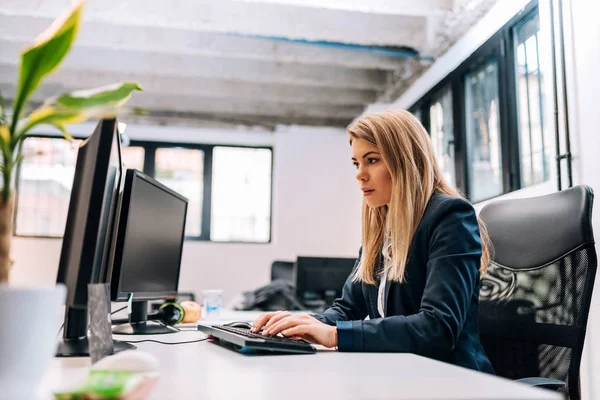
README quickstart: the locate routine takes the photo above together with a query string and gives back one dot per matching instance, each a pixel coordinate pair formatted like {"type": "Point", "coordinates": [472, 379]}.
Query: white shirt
{"type": "Point", "coordinates": [387, 244]}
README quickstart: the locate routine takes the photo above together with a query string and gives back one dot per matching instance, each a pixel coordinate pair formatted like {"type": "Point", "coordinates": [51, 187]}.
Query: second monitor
{"type": "Point", "coordinates": [321, 279]}
{"type": "Point", "coordinates": [147, 256]}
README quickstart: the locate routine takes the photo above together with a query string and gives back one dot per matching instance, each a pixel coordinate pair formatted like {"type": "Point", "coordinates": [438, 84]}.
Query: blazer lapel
{"type": "Point", "coordinates": [372, 300]}
{"type": "Point", "coordinates": [385, 296]}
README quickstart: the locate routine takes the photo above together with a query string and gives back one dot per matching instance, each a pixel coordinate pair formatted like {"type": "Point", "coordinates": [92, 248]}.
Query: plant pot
{"type": "Point", "coordinates": [31, 318]}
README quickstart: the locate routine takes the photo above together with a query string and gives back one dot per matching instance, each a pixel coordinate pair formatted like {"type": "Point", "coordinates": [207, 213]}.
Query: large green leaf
{"type": "Point", "coordinates": [44, 55]}
{"type": "Point", "coordinates": [49, 115]}
{"type": "Point", "coordinates": [111, 96]}
{"type": "Point", "coordinates": [71, 108]}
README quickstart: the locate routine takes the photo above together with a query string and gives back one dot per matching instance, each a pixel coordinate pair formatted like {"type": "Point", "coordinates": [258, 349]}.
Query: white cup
{"type": "Point", "coordinates": [211, 304]}
{"type": "Point", "coordinates": [28, 336]}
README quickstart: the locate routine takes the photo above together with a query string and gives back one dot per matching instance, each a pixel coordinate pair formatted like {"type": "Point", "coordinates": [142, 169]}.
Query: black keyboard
{"type": "Point", "coordinates": [246, 341]}
{"type": "Point", "coordinates": [247, 333]}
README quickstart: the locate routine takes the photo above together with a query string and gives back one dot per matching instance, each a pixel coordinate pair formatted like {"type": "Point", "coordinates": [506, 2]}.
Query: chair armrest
{"type": "Point", "coordinates": [546, 383]}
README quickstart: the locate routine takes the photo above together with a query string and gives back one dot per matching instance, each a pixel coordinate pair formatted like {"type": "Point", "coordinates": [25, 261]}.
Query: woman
{"type": "Point", "coordinates": [422, 256]}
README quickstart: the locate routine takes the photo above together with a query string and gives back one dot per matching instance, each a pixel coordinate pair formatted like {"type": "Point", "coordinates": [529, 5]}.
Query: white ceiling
{"type": "Point", "coordinates": [252, 62]}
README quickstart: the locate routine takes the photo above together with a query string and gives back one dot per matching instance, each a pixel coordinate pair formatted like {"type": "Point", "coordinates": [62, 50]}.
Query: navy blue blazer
{"type": "Point", "coordinates": [434, 312]}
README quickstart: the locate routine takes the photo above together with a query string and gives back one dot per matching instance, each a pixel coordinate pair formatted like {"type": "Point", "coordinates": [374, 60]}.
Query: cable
{"type": "Point", "coordinates": [120, 309]}
{"type": "Point", "coordinates": [159, 342]}
{"type": "Point", "coordinates": [167, 326]}
{"type": "Point", "coordinates": [63, 324]}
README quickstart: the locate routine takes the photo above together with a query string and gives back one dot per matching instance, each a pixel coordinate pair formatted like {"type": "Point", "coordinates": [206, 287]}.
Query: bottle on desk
{"type": "Point", "coordinates": [211, 304]}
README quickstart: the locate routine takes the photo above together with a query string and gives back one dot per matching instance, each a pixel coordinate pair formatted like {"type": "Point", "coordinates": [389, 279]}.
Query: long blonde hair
{"type": "Point", "coordinates": [406, 150]}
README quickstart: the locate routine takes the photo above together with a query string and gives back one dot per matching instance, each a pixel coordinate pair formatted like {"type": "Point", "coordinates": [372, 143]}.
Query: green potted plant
{"type": "Point", "coordinates": [26, 351]}
{"type": "Point", "coordinates": [38, 60]}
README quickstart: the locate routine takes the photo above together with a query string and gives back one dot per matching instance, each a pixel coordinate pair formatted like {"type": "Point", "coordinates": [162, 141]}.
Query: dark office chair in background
{"type": "Point", "coordinates": [279, 294]}
{"type": "Point", "coordinates": [535, 297]}
{"type": "Point", "coordinates": [282, 270]}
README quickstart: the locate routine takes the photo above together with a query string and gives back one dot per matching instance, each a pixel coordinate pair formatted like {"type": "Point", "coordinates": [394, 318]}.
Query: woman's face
{"type": "Point", "coordinates": [372, 174]}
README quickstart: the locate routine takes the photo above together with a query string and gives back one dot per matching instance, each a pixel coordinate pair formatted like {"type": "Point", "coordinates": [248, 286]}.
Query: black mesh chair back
{"type": "Point", "coordinates": [282, 270]}
{"type": "Point", "coordinates": [535, 297]}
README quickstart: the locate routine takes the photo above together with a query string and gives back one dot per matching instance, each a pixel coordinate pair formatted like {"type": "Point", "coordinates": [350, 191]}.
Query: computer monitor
{"type": "Point", "coordinates": [148, 248]}
{"type": "Point", "coordinates": [321, 279]}
{"type": "Point", "coordinates": [88, 232]}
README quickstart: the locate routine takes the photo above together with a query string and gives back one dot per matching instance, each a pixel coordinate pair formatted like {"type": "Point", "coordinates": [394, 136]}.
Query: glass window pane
{"type": "Point", "coordinates": [241, 195]}
{"type": "Point", "coordinates": [535, 142]}
{"type": "Point", "coordinates": [44, 186]}
{"type": "Point", "coordinates": [182, 170]}
{"type": "Point", "coordinates": [417, 114]}
{"type": "Point", "coordinates": [442, 132]}
{"type": "Point", "coordinates": [133, 157]}
{"type": "Point", "coordinates": [483, 132]}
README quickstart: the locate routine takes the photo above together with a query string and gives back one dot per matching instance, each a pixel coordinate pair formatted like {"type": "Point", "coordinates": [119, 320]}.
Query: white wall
{"type": "Point", "coordinates": [316, 211]}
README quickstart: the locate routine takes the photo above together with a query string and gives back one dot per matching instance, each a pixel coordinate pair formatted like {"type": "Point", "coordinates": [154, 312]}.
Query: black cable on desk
{"type": "Point", "coordinates": [120, 309]}
{"type": "Point", "coordinates": [63, 324]}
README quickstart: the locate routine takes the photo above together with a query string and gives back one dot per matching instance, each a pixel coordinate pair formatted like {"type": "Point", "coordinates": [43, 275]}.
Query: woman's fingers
{"type": "Point", "coordinates": [277, 327]}
{"type": "Point", "coordinates": [295, 331]}
{"type": "Point", "coordinates": [313, 332]}
{"type": "Point", "coordinates": [284, 323]}
{"type": "Point", "coordinates": [276, 318]}
{"type": "Point", "coordinates": [268, 321]}
{"type": "Point", "coordinates": [300, 332]}
{"type": "Point", "coordinates": [262, 320]}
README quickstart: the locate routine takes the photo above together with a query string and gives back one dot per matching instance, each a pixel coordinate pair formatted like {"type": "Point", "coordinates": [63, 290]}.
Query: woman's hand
{"type": "Point", "coordinates": [296, 326]}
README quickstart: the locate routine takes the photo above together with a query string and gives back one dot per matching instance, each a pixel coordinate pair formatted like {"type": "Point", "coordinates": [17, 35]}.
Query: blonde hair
{"type": "Point", "coordinates": [407, 152]}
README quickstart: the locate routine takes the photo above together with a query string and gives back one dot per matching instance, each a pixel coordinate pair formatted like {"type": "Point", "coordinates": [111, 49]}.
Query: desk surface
{"type": "Point", "coordinates": [206, 370]}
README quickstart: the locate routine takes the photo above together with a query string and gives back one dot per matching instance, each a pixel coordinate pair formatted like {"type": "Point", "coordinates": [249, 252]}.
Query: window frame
{"type": "Point", "coordinates": [150, 148]}
{"type": "Point", "coordinates": [526, 17]}
{"type": "Point", "coordinates": [18, 178]}
{"type": "Point", "coordinates": [501, 47]}
{"type": "Point", "coordinates": [433, 97]}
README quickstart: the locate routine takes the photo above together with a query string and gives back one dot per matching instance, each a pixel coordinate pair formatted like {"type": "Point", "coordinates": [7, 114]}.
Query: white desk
{"type": "Point", "coordinates": [206, 370]}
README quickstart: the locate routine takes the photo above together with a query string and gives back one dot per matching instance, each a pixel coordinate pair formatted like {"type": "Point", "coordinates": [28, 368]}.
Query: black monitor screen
{"type": "Point", "coordinates": [89, 232]}
{"type": "Point", "coordinates": [92, 209]}
{"type": "Point", "coordinates": [150, 240]}
{"type": "Point", "coordinates": [318, 275]}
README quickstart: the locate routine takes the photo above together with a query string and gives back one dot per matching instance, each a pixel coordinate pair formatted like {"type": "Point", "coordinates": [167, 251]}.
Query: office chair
{"type": "Point", "coordinates": [536, 294]}
{"type": "Point", "coordinates": [282, 270]}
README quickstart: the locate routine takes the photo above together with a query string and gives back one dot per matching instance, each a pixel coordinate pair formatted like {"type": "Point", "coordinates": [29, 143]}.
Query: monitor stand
{"type": "Point", "coordinates": [139, 324]}
{"type": "Point", "coordinates": [74, 342]}
{"type": "Point", "coordinates": [79, 347]}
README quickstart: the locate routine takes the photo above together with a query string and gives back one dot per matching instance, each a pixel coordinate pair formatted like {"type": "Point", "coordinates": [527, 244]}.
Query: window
{"type": "Point", "coordinates": [182, 170]}
{"type": "Point", "coordinates": [228, 188]}
{"type": "Point", "coordinates": [44, 186]}
{"type": "Point", "coordinates": [483, 132]}
{"type": "Point", "coordinates": [417, 114]}
{"type": "Point", "coordinates": [442, 132]}
{"type": "Point", "coordinates": [535, 143]}
{"type": "Point", "coordinates": [486, 117]}
{"type": "Point", "coordinates": [133, 157]}
{"type": "Point", "coordinates": [241, 194]}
